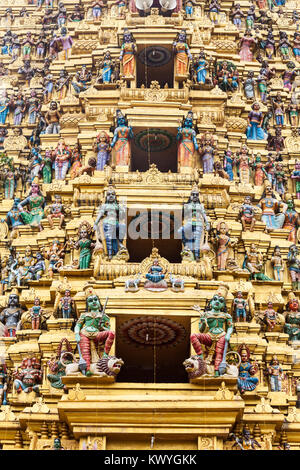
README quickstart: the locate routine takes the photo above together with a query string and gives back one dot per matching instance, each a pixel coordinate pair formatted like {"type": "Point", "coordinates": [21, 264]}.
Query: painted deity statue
{"type": "Point", "coordinates": [13, 218]}
{"type": "Point", "coordinates": [260, 173]}
{"type": "Point", "coordinates": [186, 136]}
{"type": "Point", "coordinates": [253, 262]}
{"type": "Point", "coordinates": [4, 107]}
{"type": "Point", "coordinates": [254, 129]}
{"type": "Point", "coordinates": [102, 147]}
{"type": "Point", "coordinates": [291, 220]}
{"type": "Point", "coordinates": [215, 327]}
{"type": "Point", "coordinates": [246, 381]}
{"type": "Point", "coordinates": [246, 46]}
{"type": "Point", "coordinates": [155, 278]}
{"type": "Point", "coordinates": [195, 223]}
{"type": "Point", "coordinates": [277, 264]}
{"type": "Point", "coordinates": [292, 318]}
{"type": "Point", "coordinates": [66, 307]}
{"type": "Point", "coordinates": [85, 245]}
{"type": "Point", "coordinates": [29, 376]}
{"type": "Point", "coordinates": [200, 66]}
{"type": "Point", "coordinates": [270, 317]}
{"type": "Point", "coordinates": [296, 177]}
{"type": "Point", "coordinates": [35, 202]}
{"type": "Point", "coordinates": [127, 55]}
{"type": "Point", "coordinates": [182, 54]}
{"type": "Point", "coordinates": [207, 152]}
{"type": "Point", "coordinates": [275, 375]}
{"type": "Point", "coordinates": [240, 307]}
{"type": "Point", "coordinates": [10, 316]}
{"type": "Point", "coordinates": [121, 140]}
{"type": "Point", "coordinates": [245, 441]}
{"type": "Point", "coordinates": [109, 226]}
{"type": "Point", "coordinates": [36, 312]}
{"type": "Point", "coordinates": [82, 80]}
{"type": "Point", "coordinates": [223, 242]}
{"type": "Point", "coordinates": [46, 166]}
{"type": "Point", "coordinates": [3, 384]}
{"type": "Point", "coordinates": [293, 263]}
{"type": "Point", "coordinates": [106, 69]}
{"type": "Point", "coordinates": [56, 211]}
{"type": "Point", "coordinates": [66, 42]}
{"type": "Point", "coordinates": [55, 256]}
{"type": "Point", "coordinates": [62, 162]}
{"type": "Point", "coordinates": [270, 207]}
{"type": "Point", "coordinates": [52, 118]}
{"type": "Point", "coordinates": [228, 163]}
{"type": "Point", "coordinates": [247, 214]}
{"type": "Point", "coordinates": [57, 365]}
{"type": "Point", "coordinates": [243, 162]}
{"type": "Point", "coordinates": [92, 330]}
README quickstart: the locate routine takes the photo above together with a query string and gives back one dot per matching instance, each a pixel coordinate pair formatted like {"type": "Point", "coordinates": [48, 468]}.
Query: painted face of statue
{"type": "Point", "coordinates": [13, 300]}
{"type": "Point", "coordinates": [244, 356]}
{"type": "Point", "coordinates": [290, 204]}
{"type": "Point", "coordinates": [93, 303]}
{"type": "Point", "coordinates": [110, 196]}
{"type": "Point", "coordinates": [218, 303]}
{"type": "Point", "coordinates": [83, 233]}
{"type": "Point", "coordinates": [195, 196]}
{"type": "Point", "coordinates": [294, 305]}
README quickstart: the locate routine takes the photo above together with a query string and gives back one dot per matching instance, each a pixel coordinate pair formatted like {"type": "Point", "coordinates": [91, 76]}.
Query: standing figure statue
{"type": "Point", "coordinates": [293, 263]}
{"type": "Point", "coordinates": [65, 41]}
{"type": "Point", "coordinates": [52, 118]}
{"type": "Point", "coordinates": [296, 177]}
{"type": "Point", "coordinates": [66, 307]}
{"type": "Point", "coordinates": [11, 316]}
{"type": "Point", "coordinates": [243, 162]}
{"type": "Point", "coordinates": [292, 318]}
{"type": "Point", "coordinates": [247, 214]}
{"type": "Point", "coordinates": [85, 245]}
{"type": "Point", "coordinates": [200, 65]}
{"type": "Point", "coordinates": [195, 224]}
{"type": "Point", "coordinates": [277, 263]}
{"type": "Point", "coordinates": [4, 107]}
{"type": "Point", "coordinates": [216, 327]}
{"type": "Point", "coordinates": [102, 147]}
{"type": "Point", "coordinates": [186, 136]}
{"type": "Point", "coordinates": [207, 152]}
{"type": "Point", "coordinates": [109, 225]}
{"type": "Point", "coordinates": [92, 330]}
{"type": "Point", "coordinates": [121, 140]}
{"type": "Point", "coordinates": [291, 220]}
{"type": "Point", "coordinates": [127, 55]}
{"type": "Point", "coordinates": [255, 118]}
{"type": "Point", "coordinates": [182, 54]}
{"type": "Point", "coordinates": [275, 375]}
{"type": "Point", "coordinates": [223, 242]}
{"type": "Point", "coordinates": [3, 384]}
{"type": "Point", "coordinates": [106, 69]}
{"type": "Point", "coordinates": [240, 307]}
{"type": "Point", "coordinates": [36, 312]}
{"type": "Point", "coordinates": [62, 162]}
